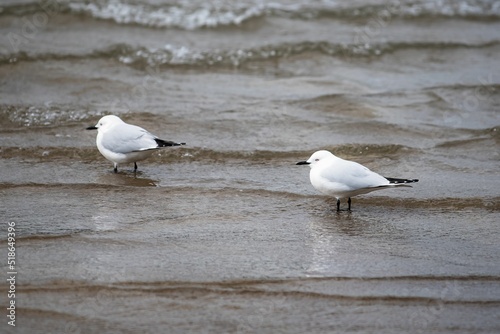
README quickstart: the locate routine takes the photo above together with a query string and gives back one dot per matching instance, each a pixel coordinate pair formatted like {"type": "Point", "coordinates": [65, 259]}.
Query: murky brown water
{"type": "Point", "coordinates": [226, 235]}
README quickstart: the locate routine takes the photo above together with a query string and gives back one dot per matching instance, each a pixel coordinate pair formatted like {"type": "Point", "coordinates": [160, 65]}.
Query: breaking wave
{"type": "Point", "coordinates": [191, 15]}
{"type": "Point", "coordinates": [182, 56]}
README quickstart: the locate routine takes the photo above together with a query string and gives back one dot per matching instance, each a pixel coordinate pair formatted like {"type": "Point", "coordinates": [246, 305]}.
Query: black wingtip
{"type": "Point", "coordinates": [164, 143]}
{"type": "Point", "coordinates": [397, 181]}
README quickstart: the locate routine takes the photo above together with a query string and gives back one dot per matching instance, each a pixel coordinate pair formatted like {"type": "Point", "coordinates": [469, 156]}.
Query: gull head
{"type": "Point", "coordinates": [105, 122]}
{"type": "Point", "coordinates": [316, 158]}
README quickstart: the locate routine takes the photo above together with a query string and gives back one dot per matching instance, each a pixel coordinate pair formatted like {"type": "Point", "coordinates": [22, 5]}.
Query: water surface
{"type": "Point", "coordinates": [226, 234]}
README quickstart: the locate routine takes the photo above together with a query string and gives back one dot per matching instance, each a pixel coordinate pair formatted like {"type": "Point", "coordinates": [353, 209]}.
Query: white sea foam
{"type": "Point", "coordinates": [184, 17]}
{"type": "Point", "coordinates": [191, 15]}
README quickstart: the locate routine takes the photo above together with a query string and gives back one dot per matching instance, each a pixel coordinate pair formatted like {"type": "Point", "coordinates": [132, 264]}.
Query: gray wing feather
{"type": "Point", "coordinates": [353, 175]}
{"type": "Point", "coordinates": [126, 138]}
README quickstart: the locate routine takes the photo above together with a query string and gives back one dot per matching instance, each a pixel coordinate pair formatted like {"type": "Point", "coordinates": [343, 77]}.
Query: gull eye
{"type": "Point", "coordinates": [316, 159]}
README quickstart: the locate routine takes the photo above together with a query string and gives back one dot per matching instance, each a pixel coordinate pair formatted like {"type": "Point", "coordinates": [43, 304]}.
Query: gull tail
{"type": "Point", "coordinates": [163, 143]}
{"type": "Point", "coordinates": [400, 182]}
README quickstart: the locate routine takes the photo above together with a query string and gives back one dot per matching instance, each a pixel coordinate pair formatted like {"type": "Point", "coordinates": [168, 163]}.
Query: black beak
{"type": "Point", "coordinates": [303, 163]}
{"type": "Point", "coordinates": [91, 128]}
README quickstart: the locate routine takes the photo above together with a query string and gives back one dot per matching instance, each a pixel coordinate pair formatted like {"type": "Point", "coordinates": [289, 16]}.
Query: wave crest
{"type": "Point", "coordinates": [186, 17]}
{"type": "Point", "coordinates": [175, 56]}
{"type": "Point", "coordinates": [191, 15]}
{"type": "Point", "coordinates": [210, 15]}
{"type": "Point", "coordinates": [182, 56]}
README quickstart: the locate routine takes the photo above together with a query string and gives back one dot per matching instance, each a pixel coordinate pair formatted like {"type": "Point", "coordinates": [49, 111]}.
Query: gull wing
{"type": "Point", "coordinates": [126, 138]}
{"type": "Point", "coordinates": [352, 175]}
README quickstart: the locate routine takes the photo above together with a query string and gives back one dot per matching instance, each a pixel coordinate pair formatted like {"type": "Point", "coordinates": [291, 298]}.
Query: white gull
{"type": "Point", "coordinates": [120, 142]}
{"type": "Point", "coordinates": [341, 178]}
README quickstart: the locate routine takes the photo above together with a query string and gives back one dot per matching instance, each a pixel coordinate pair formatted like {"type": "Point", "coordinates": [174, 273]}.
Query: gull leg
{"type": "Point", "coordinates": [116, 168]}
{"type": "Point", "coordinates": [349, 203]}
{"type": "Point", "coordinates": [338, 204]}
{"type": "Point", "coordinates": [135, 167]}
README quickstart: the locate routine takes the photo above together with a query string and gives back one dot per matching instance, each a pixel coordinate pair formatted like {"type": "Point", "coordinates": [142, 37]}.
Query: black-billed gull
{"type": "Point", "coordinates": [120, 142]}
{"type": "Point", "coordinates": [341, 178]}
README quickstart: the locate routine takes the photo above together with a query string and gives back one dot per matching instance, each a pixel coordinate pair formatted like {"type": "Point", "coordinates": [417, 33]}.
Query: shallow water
{"type": "Point", "coordinates": [226, 234]}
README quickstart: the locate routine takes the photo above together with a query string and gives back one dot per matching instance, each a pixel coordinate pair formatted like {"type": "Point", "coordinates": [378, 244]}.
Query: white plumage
{"type": "Point", "coordinates": [120, 142]}
{"type": "Point", "coordinates": [341, 178]}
